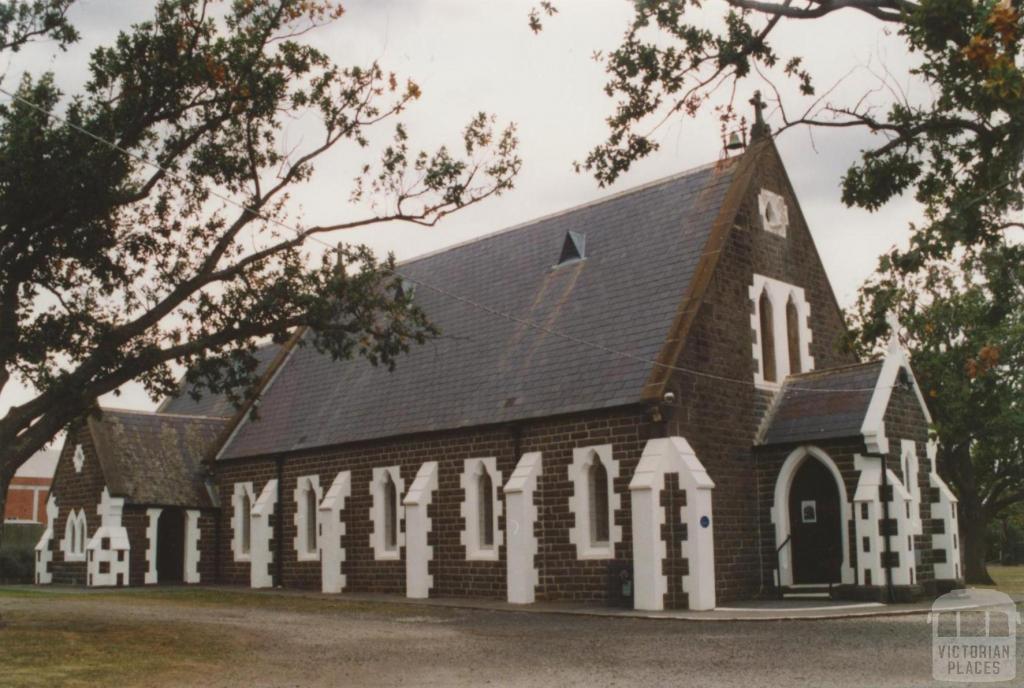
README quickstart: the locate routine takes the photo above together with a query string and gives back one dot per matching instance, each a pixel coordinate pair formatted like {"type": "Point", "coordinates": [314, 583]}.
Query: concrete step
{"type": "Point", "coordinates": [806, 592]}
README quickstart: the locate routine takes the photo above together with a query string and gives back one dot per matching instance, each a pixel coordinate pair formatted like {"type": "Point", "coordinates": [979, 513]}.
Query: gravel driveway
{"type": "Point", "coordinates": [397, 645]}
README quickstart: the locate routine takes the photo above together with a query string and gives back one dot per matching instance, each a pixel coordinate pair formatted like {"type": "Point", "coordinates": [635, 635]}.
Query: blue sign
{"type": "Point", "coordinates": [705, 521]}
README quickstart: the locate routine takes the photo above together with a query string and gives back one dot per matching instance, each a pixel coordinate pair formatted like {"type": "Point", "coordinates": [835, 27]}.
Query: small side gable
{"type": "Point", "coordinates": [78, 484]}
{"type": "Point", "coordinates": [895, 372]}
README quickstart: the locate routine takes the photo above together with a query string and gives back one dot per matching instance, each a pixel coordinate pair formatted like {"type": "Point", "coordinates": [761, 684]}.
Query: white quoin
{"type": "Point", "coordinates": [44, 552]}
{"type": "Point", "coordinates": [153, 519]}
{"type": "Point", "coordinates": [332, 530]}
{"type": "Point", "coordinates": [660, 457]}
{"type": "Point", "coordinates": [418, 553]}
{"type": "Point", "coordinates": [521, 517]}
{"type": "Point", "coordinates": [192, 535]}
{"type": "Point", "coordinates": [261, 555]}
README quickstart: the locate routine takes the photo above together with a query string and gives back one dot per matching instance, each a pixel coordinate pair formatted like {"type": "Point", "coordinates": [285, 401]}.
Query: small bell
{"type": "Point", "coordinates": [734, 142]}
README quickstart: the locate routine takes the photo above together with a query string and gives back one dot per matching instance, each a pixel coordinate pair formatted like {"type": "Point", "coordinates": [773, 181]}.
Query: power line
{"type": "Point", "coordinates": [439, 290]}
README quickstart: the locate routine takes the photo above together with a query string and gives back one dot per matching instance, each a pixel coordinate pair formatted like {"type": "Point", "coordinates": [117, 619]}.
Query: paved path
{"type": "Point", "coordinates": [381, 644]}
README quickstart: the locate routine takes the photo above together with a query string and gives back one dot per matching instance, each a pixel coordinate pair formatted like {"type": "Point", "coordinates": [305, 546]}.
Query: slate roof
{"type": "Point", "coordinates": [823, 404]}
{"type": "Point", "coordinates": [155, 458]}
{"type": "Point", "coordinates": [215, 405]}
{"type": "Point", "coordinates": [642, 250]}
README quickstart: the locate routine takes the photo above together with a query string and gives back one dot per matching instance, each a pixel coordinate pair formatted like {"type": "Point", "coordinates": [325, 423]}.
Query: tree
{"type": "Point", "coordinates": [964, 326]}
{"type": "Point", "coordinates": [959, 150]}
{"type": "Point", "coordinates": [146, 221]}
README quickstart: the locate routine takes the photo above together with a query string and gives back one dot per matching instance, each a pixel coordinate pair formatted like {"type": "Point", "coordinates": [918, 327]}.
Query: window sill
{"type": "Point", "coordinates": [308, 556]}
{"type": "Point", "coordinates": [595, 552]}
{"type": "Point", "coordinates": [243, 557]}
{"type": "Point", "coordinates": [387, 555]}
{"type": "Point", "coordinates": [74, 557]}
{"type": "Point", "coordinates": [482, 554]}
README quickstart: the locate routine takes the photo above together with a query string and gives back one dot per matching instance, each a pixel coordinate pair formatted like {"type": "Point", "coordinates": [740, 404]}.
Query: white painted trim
{"type": "Point", "coordinates": [78, 458]}
{"type": "Point", "coordinates": [470, 509]}
{"type": "Point", "coordinates": [873, 427]}
{"type": "Point", "coordinates": [44, 553]}
{"type": "Point", "coordinates": [778, 205]}
{"type": "Point", "coordinates": [260, 533]}
{"type": "Point", "coordinates": [303, 552]}
{"type": "Point", "coordinates": [109, 544]}
{"type": "Point", "coordinates": [241, 489]}
{"type": "Point", "coordinates": [869, 484]}
{"type": "Point", "coordinates": [910, 474]}
{"type": "Point", "coordinates": [192, 535]}
{"type": "Point", "coordinates": [579, 502]}
{"type": "Point", "coordinates": [151, 577]}
{"type": "Point", "coordinates": [418, 524]}
{"type": "Point", "coordinates": [332, 530]}
{"type": "Point", "coordinates": [779, 294]}
{"type": "Point", "coordinates": [380, 551]}
{"type": "Point", "coordinates": [780, 511]}
{"type": "Point", "coordinates": [660, 457]}
{"type": "Point", "coordinates": [946, 510]}
{"type": "Point", "coordinates": [901, 542]}
{"type": "Point", "coordinates": [522, 577]}
{"type": "Point", "coordinates": [76, 530]}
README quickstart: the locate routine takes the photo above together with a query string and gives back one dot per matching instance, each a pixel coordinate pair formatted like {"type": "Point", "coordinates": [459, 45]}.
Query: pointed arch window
{"type": "Point", "coordinates": [242, 502]}
{"type": "Point", "coordinates": [600, 518]}
{"type": "Point", "coordinates": [390, 514]}
{"type": "Point", "coordinates": [764, 307]}
{"type": "Point", "coordinates": [485, 497]}
{"type": "Point", "coordinates": [245, 515]}
{"type": "Point", "coordinates": [311, 507]}
{"type": "Point", "coordinates": [793, 336]}
{"type": "Point", "coordinates": [75, 532]}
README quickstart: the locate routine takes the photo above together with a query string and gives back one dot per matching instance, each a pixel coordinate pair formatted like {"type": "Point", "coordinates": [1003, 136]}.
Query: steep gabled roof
{"type": "Point", "coordinates": [155, 458]}
{"type": "Point", "coordinates": [823, 404]}
{"type": "Point", "coordinates": [214, 405]}
{"type": "Point", "coordinates": [643, 249]}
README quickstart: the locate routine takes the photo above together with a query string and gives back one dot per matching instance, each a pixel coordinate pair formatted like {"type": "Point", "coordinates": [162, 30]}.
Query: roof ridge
{"type": "Point", "coordinates": [163, 414]}
{"type": "Point", "coordinates": [597, 201]}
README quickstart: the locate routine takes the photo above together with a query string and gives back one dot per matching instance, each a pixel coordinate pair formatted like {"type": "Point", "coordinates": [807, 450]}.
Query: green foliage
{"type": "Point", "coordinates": [964, 327]}
{"type": "Point", "coordinates": [178, 244]}
{"type": "Point", "coordinates": [23, 21]}
{"type": "Point", "coordinates": [17, 565]}
{"type": "Point", "coordinates": [17, 552]}
{"type": "Point", "coordinates": [959, 151]}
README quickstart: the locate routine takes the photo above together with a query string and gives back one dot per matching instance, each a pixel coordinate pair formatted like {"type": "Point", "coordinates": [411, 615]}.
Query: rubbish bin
{"type": "Point", "coordinates": [620, 584]}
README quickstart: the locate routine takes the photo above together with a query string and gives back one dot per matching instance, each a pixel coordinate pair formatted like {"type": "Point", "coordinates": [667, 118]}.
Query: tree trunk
{"type": "Point", "coordinates": [974, 540]}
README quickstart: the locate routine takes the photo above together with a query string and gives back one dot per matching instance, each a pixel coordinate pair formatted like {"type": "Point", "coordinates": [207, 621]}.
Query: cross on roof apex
{"type": "Point", "coordinates": [760, 128]}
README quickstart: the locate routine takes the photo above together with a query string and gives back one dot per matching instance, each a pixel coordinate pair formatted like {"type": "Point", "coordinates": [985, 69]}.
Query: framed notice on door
{"type": "Point", "coordinates": [809, 511]}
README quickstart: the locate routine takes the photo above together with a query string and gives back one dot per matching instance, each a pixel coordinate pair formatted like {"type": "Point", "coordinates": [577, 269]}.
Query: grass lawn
{"type": "Point", "coordinates": [1009, 579]}
{"type": "Point", "coordinates": [50, 650]}
{"type": "Point", "coordinates": [210, 597]}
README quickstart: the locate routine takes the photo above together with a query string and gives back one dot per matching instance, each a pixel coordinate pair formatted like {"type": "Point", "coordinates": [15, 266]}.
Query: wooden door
{"type": "Point", "coordinates": [815, 522]}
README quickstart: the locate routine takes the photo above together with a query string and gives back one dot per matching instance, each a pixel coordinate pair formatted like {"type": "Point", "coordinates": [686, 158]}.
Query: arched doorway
{"type": "Point", "coordinates": [815, 524]}
{"type": "Point", "coordinates": [170, 546]}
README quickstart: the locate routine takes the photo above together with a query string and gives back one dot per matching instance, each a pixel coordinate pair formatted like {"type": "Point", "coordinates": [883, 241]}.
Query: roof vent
{"type": "Point", "coordinates": [574, 248]}
{"type": "Point", "coordinates": [406, 289]}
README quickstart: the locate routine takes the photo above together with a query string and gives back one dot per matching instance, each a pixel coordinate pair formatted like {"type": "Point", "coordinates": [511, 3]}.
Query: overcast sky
{"type": "Point", "coordinates": [469, 55]}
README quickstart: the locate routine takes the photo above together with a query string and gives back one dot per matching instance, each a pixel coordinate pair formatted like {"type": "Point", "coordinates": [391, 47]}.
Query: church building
{"type": "Point", "coordinates": [641, 401]}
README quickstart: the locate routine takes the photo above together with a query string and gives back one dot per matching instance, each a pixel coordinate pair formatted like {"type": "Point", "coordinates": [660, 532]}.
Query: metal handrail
{"type": "Point", "coordinates": [778, 562]}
